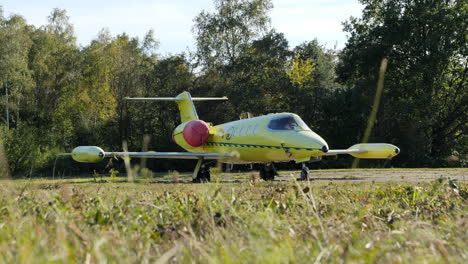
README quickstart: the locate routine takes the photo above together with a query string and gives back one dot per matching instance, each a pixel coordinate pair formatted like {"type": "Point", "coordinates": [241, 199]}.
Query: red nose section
{"type": "Point", "coordinates": [196, 133]}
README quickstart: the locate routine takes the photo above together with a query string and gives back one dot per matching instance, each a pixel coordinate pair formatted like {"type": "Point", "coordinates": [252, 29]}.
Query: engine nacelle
{"type": "Point", "coordinates": [191, 134]}
{"type": "Point", "coordinates": [196, 133]}
{"type": "Point", "coordinates": [88, 154]}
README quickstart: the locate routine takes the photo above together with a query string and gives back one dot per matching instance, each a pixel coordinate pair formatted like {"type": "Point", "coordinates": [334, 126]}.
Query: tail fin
{"type": "Point", "coordinates": [185, 103]}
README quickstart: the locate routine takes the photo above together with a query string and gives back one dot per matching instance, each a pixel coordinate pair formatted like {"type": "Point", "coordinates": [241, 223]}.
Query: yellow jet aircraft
{"type": "Point", "coordinates": [265, 139]}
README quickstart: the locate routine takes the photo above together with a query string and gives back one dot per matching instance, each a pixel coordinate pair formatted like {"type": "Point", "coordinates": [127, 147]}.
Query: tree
{"type": "Point", "coordinates": [312, 94]}
{"type": "Point", "coordinates": [324, 61]}
{"type": "Point", "coordinates": [300, 71]}
{"type": "Point", "coordinates": [221, 35]}
{"type": "Point", "coordinates": [257, 79]}
{"type": "Point", "coordinates": [56, 65]}
{"type": "Point", "coordinates": [425, 96]}
{"type": "Point", "coordinates": [15, 36]}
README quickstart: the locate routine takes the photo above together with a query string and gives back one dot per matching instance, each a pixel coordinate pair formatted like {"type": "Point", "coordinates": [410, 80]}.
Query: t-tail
{"type": "Point", "coordinates": [184, 102]}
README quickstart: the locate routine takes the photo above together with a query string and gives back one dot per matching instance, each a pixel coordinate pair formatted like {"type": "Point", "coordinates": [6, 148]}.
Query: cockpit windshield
{"type": "Point", "coordinates": [301, 123]}
{"type": "Point", "coordinates": [288, 123]}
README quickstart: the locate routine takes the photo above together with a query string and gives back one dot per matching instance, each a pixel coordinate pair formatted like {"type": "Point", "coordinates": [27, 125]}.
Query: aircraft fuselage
{"type": "Point", "coordinates": [269, 138]}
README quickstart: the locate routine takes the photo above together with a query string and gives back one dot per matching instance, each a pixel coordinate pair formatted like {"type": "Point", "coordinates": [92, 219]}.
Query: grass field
{"type": "Point", "coordinates": [111, 220]}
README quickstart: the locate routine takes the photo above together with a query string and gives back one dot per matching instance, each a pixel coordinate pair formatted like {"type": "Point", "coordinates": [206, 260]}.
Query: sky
{"type": "Point", "coordinates": [172, 20]}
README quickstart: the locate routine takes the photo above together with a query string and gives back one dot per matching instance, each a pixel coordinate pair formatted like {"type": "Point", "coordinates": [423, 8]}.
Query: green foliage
{"type": "Point", "coordinates": [260, 70]}
{"type": "Point", "coordinates": [113, 174]}
{"type": "Point", "coordinates": [301, 71]}
{"type": "Point", "coordinates": [4, 167]}
{"type": "Point", "coordinates": [241, 222]}
{"type": "Point", "coordinates": [425, 95]}
{"type": "Point", "coordinates": [222, 35]}
{"type": "Point", "coordinates": [28, 158]}
{"type": "Point", "coordinates": [324, 63]}
{"type": "Point", "coordinates": [15, 39]}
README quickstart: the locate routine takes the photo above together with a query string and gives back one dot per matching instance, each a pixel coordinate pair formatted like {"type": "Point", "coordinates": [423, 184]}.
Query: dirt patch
{"type": "Point", "coordinates": [383, 175]}
{"type": "Point", "coordinates": [365, 175]}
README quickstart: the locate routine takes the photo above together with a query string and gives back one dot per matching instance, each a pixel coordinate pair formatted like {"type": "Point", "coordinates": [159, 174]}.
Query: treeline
{"type": "Point", "coordinates": [61, 95]}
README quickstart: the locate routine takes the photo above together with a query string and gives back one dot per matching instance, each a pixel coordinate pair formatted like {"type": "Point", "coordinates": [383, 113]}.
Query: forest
{"type": "Point", "coordinates": [56, 95]}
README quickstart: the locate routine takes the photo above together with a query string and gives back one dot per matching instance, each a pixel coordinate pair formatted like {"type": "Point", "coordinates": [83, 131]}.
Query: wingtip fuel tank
{"type": "Point", "coordinates": [375, 151]}
{"type": "Point", "coordinates": [90, 154]}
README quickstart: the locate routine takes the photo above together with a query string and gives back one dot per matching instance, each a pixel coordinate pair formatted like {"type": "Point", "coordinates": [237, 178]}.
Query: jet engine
{"type": "Point", "coordinates": [196, 133]}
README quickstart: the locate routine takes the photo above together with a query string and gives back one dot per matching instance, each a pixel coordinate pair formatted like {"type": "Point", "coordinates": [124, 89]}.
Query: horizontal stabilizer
{"type": "Point", "coordinates": [209, 98]}
{"type": "Point", "coordinates": [176, 98]}
{"type": "Point", "coordinates": [184, 102]}
{"type": "Point", "coordinates": [155, 98]}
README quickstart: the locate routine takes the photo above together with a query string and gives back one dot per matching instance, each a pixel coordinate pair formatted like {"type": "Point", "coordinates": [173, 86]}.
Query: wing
{"type": "Point", "coordinates": [168, 155]}
{"type": "Point", "coordinates": [96, 154]}
{"type": "Point", "coordinates": [343, 151]}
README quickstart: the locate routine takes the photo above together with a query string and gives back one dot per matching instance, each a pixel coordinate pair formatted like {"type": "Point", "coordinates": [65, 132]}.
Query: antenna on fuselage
{"type": "Point", "coordinates": [245, 115]}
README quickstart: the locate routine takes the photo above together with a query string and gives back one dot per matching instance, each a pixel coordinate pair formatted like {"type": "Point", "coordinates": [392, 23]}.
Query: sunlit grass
{"type": "Point", "coordinates": [247, 222]}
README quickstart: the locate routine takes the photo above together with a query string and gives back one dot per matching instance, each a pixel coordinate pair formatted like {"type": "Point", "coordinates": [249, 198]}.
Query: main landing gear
{"type": "Point", "coordinates": [201, 173]}
{"type": "Point", "coordinates": [268, 172]}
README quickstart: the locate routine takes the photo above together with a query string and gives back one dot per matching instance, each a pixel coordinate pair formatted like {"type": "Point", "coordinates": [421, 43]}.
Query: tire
{"type": "Point", "coordinates": [304, 174]}
{"type": "Point", "coordinates": [203, 176]}
{"type": "Point", "coordinates": [267, 173]}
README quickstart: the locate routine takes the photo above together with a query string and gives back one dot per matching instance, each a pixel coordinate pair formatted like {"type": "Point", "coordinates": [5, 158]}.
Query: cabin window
{"type": "Point", "coordinates": [241, 131]}
{"type": "Point", "coordinates": [255, 129]}
{"type": "Point", "coordinates": [230, 132]}
{"type": "Point", "coordinates": [247, 131]}
{"type": "Point", "coordinates": [283, 123]}
{"type": "Point", "coordinates": [234, 133]}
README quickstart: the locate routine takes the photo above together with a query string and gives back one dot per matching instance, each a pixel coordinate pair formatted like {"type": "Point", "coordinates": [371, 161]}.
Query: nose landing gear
{"type": "Point", "coordinates": [304, 173]}
{"type": "Point", "coordinates": [268, 172]}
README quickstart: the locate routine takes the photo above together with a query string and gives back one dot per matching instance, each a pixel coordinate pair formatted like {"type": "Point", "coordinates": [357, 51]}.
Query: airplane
{"type": "Point", "coordinates": [279, 137]}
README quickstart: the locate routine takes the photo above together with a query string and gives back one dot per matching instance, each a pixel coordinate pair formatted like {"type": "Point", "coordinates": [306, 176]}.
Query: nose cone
{"type": "Point", "coordinates": [322, 143]}
{"type": "Point", "coordinates": [316, 142]}
{"type": "Point", "coordinates": [324, 149]}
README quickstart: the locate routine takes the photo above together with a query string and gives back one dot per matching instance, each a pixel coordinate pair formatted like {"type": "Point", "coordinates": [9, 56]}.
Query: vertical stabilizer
{"type": "Point", "coordinates": [186, 108]}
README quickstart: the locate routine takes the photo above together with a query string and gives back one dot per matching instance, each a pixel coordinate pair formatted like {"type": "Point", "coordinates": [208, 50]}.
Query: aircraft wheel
{"type": "Point", "coordinates": [203, 175]}
{"type": "Point", "coordinates": [304, 173]}
{"type": "Point", "coordinates": [268, 172]}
